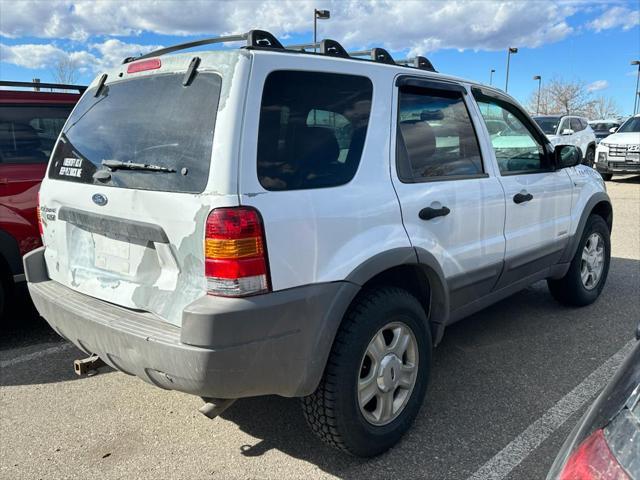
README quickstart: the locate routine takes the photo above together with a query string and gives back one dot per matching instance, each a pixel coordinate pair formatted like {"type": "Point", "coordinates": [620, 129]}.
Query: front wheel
{"type": "Point", "coordinates": [589, 268]}
{"type": "Point", "coordinates": [376, 376]}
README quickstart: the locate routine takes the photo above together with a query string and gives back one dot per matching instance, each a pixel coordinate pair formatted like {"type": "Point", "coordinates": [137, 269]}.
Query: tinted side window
{"type": "Point", "coordinates": [28, 133]}
{"type": "Point", "coordinates": [576, 126]}
{"type": "Point", "coordinates": [515, 147]}
{"type": "Point", "coordinates": [435, 136]}
{"type": "Point", "coordinates": [312, 129]}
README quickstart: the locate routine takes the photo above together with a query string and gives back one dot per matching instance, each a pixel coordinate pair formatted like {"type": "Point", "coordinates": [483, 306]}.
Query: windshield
{"type": "Point", "coordinates": [549, 125]}
{"type": "Point", "coordinates": [631, 125]}
{"type": "Point", "coordinates": [153, 120]}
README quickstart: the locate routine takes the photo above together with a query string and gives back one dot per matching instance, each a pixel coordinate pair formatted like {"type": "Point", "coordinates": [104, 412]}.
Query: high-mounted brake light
{"type": "Point", "coordinates": [39, 216]}
{"type": "Point", "coordinates": [235, 253]}
{"type": "Point", "coordinates": [141, 66]}
{"type": "Point", "coordinates": [593, 460]}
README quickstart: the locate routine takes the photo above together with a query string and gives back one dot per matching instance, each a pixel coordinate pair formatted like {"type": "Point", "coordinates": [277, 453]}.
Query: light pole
{"type": "Point", "coordinates": [637, 92]}
{"type": "Point", "coordinates": [493, 70]}
{"type": "Point", "coordinates": [318, 15]}
{"type": "Point", "coordinates": [511, 50]}
{"type": "Point", "coordinates": [539, 78]}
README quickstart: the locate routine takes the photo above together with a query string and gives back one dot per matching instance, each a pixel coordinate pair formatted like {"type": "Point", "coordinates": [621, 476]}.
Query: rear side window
{"type": "Point", "coordinates": [435, 136]}
{"type": "Point", "coordinates": [29, 132]}
{"type": "Point", "coordinates": [576, 125]}
{"type": "Point", "coordinates": [312, 129]}
{"type": "Point", "coordinates": [157, 129]}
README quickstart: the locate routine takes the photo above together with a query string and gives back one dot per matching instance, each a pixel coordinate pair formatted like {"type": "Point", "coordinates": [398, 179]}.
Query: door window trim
{"type": "Point", "coordinates": [429, 84]}
{"type": "Point", "coordinates": [536, 132]}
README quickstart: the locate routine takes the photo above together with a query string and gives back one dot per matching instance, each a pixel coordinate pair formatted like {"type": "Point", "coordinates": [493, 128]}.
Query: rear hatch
{"type": "Point", "coordinates": [122, 207]}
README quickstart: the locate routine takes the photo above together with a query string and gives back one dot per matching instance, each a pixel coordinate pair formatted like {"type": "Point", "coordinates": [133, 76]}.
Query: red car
{"type": "Point", "coordinates": [30, 121]}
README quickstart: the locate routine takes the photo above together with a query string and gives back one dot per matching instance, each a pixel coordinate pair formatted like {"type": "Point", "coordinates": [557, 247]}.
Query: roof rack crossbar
{"type": "Point", "coordinates": [302, 46]}
{"type": "Point", "coordinates": [59, 86]}
{"type": "Point", "coordinates": [422, 63]}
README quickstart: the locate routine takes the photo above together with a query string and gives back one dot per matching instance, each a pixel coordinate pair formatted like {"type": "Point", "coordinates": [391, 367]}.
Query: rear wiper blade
{"type": "Point", "coordinates": [114, 165]}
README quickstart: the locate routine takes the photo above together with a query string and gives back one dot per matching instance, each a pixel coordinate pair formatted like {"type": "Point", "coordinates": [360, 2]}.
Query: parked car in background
{"type": "Point", "coordinates": [606, 442]}
{"type": "Point", "coordinates": [619, 153]}
{"type": "Point", "coordinates": [604, 128]}
{"type": "Point", "coordinates": [234, 224]}
{"type": "Point", "coordinates": [30, 121]}
{"type": "Point", "coordinates": [570, 130]}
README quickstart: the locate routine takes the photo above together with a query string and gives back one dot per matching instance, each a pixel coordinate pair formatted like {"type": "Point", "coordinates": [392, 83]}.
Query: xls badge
{"type": "Point", "coordinates": [99, 199]}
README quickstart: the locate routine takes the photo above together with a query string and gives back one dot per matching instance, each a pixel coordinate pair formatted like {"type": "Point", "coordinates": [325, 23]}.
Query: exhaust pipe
{"type": "Point", "coordinates": [215, 406]}
{"type": "Point", "coordinates": [88, 366]}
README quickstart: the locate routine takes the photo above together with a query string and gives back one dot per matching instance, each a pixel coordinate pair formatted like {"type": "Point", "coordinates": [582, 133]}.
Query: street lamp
{"type": "Point", "coordinates": [318, 15]}
{"type": "Point", "coordinates": [511, 50]}
{"type": "Point", "coordinates": [539, 78]}
{"type": "Point", "coordinates": [493, 70]}
{"type": "Point", "coordinates": [637, 92]}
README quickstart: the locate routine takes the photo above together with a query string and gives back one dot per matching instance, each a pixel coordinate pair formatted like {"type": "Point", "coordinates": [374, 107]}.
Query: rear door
{"type": "Point", "coordinates": [452, 203]}
{"type": "Point", "coordinates": [123, 205]}
{"type": "Point", "coordinates": [538, 198]}
{"type": "Point", "coordinates": [27, 135]}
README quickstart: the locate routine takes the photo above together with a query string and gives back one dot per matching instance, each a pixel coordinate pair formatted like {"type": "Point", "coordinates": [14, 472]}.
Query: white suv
{"type": "Point", "coordinates": [570, 130]}
{"type": "Point", "coordinates": [619, 153]}
{"type": "Point", "coordinates": [267, 221]}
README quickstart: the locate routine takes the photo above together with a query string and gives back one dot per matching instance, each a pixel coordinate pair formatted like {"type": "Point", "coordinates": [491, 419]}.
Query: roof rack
{"type": "Point", "coordinates": [264, 40]}
{"type": "Point", "coordinates": [59, 86]}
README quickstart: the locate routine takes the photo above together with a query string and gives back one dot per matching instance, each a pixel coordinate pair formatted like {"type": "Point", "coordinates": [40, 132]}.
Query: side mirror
{"type": "Point", "coordinates": [613, 130]}
{"type": "Point", "coordinates": [567, 156]}
{"type": "Point", "coordinates": [567, 131]}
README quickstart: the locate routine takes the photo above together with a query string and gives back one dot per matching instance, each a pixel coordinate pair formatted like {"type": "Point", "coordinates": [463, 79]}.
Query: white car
{"type": "Point", "coordinates": [267, 221]}
{"type": "Point", "coordinates": [570, 130]}
{"type": "Point", "coordinates": [619, 153]}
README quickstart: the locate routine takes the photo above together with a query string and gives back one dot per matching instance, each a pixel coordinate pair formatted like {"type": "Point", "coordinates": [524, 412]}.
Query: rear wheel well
{"type": "Point", "coordinates": [411, 278]}
{"type": "Point", "coordinates": [604, 210]}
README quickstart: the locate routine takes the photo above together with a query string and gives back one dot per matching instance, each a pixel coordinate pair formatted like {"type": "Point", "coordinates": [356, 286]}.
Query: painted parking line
{"type": "Point", "coordinates": [59, 347]}
{"type": "Point", "coordinates": [524, 444]}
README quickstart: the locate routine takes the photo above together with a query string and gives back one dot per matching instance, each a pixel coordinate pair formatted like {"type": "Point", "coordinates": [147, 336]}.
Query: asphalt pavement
{"type": "Point", "coordinates": [508, 385]}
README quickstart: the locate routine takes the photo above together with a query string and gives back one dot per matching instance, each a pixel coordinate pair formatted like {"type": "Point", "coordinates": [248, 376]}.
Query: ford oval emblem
{"type": "Point", "coordinates": [99, 199]}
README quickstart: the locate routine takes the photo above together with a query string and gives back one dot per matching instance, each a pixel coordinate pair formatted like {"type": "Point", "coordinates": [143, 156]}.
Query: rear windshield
{"type": "Point", "coordinates": [161, 130]}
{"type": "Point", "coordinates": [29, 132]}
{"type": "Point", "coordinates": [549, 125]}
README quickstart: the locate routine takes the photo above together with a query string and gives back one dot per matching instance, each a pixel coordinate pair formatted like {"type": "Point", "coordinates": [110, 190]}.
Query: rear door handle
{"type": "Point", "coordinates": [428, 213]}
{"type": "Point", "coordinates": [522, 197]}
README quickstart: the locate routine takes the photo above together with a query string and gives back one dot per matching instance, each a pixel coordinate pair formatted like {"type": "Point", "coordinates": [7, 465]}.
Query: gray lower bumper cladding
{"type": "Point", "coordinates": [275, 343]}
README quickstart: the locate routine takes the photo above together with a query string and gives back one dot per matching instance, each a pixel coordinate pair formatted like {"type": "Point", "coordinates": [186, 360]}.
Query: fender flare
{"type": "Point", "coordinates": [572, 246]}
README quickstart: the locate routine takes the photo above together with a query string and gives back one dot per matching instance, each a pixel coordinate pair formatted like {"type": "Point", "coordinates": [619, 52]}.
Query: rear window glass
{"type": "Point", "coordinates": [549, 125]}
{"type": "Point", "coordinates": [312, 129]}
{"type": "Point", "coordinates": [159, 129]}
{"type": "Point", "coordinates": [28, 132]}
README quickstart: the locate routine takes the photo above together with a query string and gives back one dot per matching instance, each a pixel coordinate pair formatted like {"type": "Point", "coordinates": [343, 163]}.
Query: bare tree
{"type": "Point", "coordinates": [562, 97]}
{"type": "Point", "coordinates": [603, 107]}
{"type": "Point", "coordinates": [65, 70]}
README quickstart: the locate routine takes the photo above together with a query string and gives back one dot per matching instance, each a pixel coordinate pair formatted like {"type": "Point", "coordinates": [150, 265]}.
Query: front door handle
{"type": "Point", "coordinates": [522, 197]}
{"type": "Point", "coordinates": [428, 213]}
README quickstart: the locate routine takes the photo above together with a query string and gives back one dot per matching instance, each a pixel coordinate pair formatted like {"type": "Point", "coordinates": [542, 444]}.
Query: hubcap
{"type": "Point", "coordinates": [388, 373]}
{"type": "Point", "coordinates": [592, 262]}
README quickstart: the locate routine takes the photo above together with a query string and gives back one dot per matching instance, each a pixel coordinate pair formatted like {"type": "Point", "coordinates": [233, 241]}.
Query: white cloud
{"type": "Point", "coordinates": [597, 85]}
{"type": "Point", "coordinates": [615, 17]}
{"type": "Point", "coordinates": [398, 25]}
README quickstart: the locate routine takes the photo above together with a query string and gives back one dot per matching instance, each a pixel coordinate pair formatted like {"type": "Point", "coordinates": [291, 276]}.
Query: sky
{"type": "Point", "coordinates": [579, 40]}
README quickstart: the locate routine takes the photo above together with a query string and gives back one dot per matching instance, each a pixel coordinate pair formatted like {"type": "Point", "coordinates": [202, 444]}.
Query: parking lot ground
{"type": "Point", "coordinates": [508, 385]}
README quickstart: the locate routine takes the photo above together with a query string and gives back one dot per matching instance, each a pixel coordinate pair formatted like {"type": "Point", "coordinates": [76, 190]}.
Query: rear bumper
{"type": "Point", "coordinates": [227, 348]}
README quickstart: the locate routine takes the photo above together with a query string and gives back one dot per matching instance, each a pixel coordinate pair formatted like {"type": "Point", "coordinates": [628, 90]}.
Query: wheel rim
{"type": "Point", "coordinates": [592, 261]}
{"type": "Point", "coordinates": [388, 373]}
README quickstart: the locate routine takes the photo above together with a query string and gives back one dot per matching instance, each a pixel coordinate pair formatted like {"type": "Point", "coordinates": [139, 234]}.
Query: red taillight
{"type": "Point", "coordinates": [141, 66]}
{"type": "Point", "coordinates": [39, 216]}
{"type": "Point", "coordinates": [593, 460]}
{"type": "Point", "coordinates": [235, 253]}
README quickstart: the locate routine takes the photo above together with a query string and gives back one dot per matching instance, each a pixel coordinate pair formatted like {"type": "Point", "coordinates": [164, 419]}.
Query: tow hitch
{"type": "Point", "coordinates": [215, 406]}
{"type": "Point", "coordinates": [88, 366]}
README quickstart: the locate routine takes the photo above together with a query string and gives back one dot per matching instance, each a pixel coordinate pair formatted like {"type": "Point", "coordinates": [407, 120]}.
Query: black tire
{"type": "Point", "coordinates": [606, 176]}
{"type": "Point", "coordinates": [570, 289]}
{"type": "Point", "coordinates": [2, 296]}
{"type": "Point", "coordinates": [333, 411]}
{"type": "Point", "coordinates": [590, 157]}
